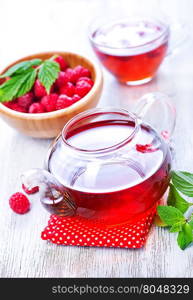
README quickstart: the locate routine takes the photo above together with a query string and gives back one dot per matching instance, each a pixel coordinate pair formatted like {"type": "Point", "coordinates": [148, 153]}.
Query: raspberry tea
{"type": "Point", "coordinates": [131, 49]}
{"type": "Point", "coordinates": [102, 163]}
{"type": "Point", "coordinates": [108, 165]}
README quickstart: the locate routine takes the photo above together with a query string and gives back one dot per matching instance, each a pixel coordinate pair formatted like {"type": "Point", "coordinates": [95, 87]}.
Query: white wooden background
{"type": "Point", "coordinates": [32, 26]}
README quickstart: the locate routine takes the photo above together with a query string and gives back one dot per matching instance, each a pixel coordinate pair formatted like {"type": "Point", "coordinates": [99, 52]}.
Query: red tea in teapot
{"type": "Point", "coordinates": [106, 185]}
{"type": "Point", "coordinates": [132, 50]}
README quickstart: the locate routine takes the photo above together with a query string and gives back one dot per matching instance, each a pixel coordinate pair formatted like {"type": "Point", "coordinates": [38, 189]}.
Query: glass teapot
{"type": "Point", "coordinates": [109, 165]}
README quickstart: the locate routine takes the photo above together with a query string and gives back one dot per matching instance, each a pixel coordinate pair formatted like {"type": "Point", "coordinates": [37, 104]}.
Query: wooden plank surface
{"type": "Point", "coordinates": [33, 26]}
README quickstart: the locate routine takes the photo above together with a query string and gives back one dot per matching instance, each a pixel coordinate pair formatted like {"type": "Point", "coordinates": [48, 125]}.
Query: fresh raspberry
{"type": "Point", "coordinates": [82, 88]}
{"type": "Point", "coordinates": [81, 72]}
{"type": "Point", "coordinates": [36, 108]}
{"type": "Point", "coordinates": [19, 203]}
{"type": "Point", "coordinates": [63, 64]}
{"type": "Point", "coordinates": [9, 104]}
{"type": "Point", "coordinates": [30, 191]}
{"type": "Point", "coordinates": [39, 89]}
{"type": "Point", "coordinates": [61, 80]}
{"type": "Point", "coordinates": [86, 79]}
{"type": "Point", "coordinates": [17, 107]}
{"type": "Point", "coordinates": [76, 98]}
{"type": "Point", "coordinates": [71, 75]}
{"type": "Point", "coordinates": [68, 89]}
{"type": "Point", "coordinates": [49, 102]}
{"type": "Point", "coordinates": [63, 102]}
{"type": "Point", "coordinates": [25, 100]}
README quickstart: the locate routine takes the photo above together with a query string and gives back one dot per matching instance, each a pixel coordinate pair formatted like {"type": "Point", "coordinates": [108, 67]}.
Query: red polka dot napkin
{"type": "Point", "coordinates": [78, 231]}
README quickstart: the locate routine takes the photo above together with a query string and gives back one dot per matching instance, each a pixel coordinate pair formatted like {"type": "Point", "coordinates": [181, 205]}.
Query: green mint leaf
{"type": "Point", "coordinates": [185, 236]}
{"type": "Point", "coordinates": [176, 200]}
{"type": "Point", "coordinates": [11, 88]}
{"type": "Point", "coordinates": [27, 84]}
{"type": "Point", "coordinates": [48, 73]}
{"type": "Point", "coordinates": [176, 227]}
{"type": "Point", "coordinates": [54, 56]}
{"type": "Point", "coordinates": [191, 221]}
{"type": "Point", "coordinates": [191, 224]}
{"type": "Point", "coordinates": [170, 215]}
{"type": "Point", "coordinates": [158, 222]}
{"type": "Point", "coordinates": [21, 67]}
{"type": "Point", "coordinates": [183, 181]}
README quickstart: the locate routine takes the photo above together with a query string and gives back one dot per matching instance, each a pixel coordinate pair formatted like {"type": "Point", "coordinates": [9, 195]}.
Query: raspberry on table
{"type": "Point", "coordinates": [63, 102]}
{"type": "Point", "coordinates": [82, 88]}
{"type": "Point", "coordinates": [30, 191]}
{"type": "Point", "coordinates": [49, 102]}
{"type": "Point", "coordinates": [36, 108]}
{"type": "Point", "coordinates": [25, 100]}
{"type": "Point", "coordinates": [61, 61]}
{"type": "Point", "coordinates": [68, 89]}
{"type": "Point", "coordinates": [19, 203]}
{"type": "Point", "coordinates": [39, 89]}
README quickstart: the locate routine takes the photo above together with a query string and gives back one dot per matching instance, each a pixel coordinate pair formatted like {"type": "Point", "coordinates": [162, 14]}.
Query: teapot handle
{"type": "Point", "coordinates": [53, 195]}
{"type": "Point", "coordinates": [157, 110]}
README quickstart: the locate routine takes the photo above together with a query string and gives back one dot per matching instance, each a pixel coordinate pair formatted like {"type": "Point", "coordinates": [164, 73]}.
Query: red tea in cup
{"type": "Point", "coordinates": [131, 49]}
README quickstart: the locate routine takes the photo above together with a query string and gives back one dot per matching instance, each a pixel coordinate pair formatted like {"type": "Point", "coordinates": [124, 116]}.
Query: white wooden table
{"type": "Point", "coordinates": [34, 26]}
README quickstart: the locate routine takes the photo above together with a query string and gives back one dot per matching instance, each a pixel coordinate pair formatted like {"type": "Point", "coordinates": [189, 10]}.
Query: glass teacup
{"type": "Point", "coordinates": [131, 48]}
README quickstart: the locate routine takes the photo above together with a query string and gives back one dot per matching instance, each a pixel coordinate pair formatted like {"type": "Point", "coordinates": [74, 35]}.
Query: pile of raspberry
{"type": "Point", "coordinates": [71, 85]}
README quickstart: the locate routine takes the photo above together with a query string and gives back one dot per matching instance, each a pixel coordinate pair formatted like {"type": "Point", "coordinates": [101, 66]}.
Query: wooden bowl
{"type": "Point", "coordinates": [48, 125]}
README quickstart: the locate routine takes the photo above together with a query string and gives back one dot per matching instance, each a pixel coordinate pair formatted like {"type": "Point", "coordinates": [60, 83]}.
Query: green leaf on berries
{"type": "Point", "coordinates": [21, 67]}
{"type": "Point", "coordinates": [185, 236]}
{"type": "Point", "coordinates": [27, 84]}
{"type": "Point", "coordinates": [18, 85]}
{"type": "Point", "coordinates": [170, 215]}
{"type": "Point", "coordinates": [183, 182]}
{"type": "Point", "coordinates": [176, 200]}
{"type": "Point", "coordinates": [48, 73]}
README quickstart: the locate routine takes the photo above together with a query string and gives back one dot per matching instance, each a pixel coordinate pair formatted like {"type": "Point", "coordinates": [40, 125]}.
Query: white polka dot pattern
{"type": "Point", "coordinates": [83, 232]}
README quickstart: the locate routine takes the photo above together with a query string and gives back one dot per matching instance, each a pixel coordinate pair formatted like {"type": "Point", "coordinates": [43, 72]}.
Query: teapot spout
{"type": "Point", "coordinates": [53, 195]}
